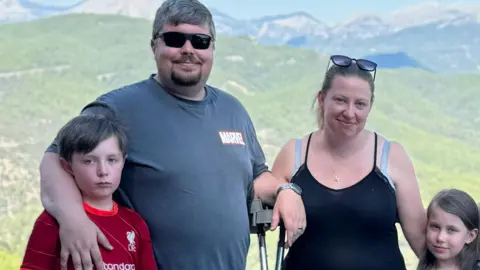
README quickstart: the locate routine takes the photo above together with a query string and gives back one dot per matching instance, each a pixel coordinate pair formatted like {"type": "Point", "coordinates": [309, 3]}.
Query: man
{"type": "Point", "coordinates": [193, 155]}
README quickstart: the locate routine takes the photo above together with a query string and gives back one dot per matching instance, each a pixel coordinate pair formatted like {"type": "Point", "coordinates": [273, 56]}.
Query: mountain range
{"type": "Point", "coordinates": [440, 37]}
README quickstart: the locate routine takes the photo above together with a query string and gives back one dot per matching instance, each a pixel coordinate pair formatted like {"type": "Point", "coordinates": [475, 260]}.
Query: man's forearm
{"type": "Point", "coordinates": [266, 186]}
{"type": "Point", "coordinates": [59, 193]}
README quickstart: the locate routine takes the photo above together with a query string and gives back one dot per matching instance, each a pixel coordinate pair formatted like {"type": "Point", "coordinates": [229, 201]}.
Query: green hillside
{"type": "Point", "coordinates": [9, 261]}
{"type": "Point", "coordinates": [50, 69]}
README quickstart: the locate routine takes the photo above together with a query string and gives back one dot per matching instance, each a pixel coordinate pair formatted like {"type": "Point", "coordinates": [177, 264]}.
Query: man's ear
{"type": "Point", "coordinates": [66, 166]}
{"type": "Point", "coordinates": [152, 45]}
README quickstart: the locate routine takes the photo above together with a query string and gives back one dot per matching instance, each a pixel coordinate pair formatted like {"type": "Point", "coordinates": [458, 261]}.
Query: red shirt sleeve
{"type": "Point", "coordinates": [43, 247]}
{"type": "Point", "coordinates": [146, 258]}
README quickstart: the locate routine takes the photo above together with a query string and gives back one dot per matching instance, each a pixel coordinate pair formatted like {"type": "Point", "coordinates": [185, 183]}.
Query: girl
{"type": "Point", "coordinates": [451, 235]}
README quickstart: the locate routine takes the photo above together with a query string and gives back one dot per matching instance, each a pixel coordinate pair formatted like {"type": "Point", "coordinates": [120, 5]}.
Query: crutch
{"type": "Point", "coordinates": [260, 221]}
{"type": "Point", "coordinates": [280, 248]}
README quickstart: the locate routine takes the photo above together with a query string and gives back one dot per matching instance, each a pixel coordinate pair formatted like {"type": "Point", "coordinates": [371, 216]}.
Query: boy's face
{"type": "Point", "coordinates": [98, 173]}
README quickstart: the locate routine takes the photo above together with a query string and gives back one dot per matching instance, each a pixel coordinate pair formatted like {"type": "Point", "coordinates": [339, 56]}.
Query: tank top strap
{"type": "Point", "coordinates": [308, 147]}
{"type": "Point", "coordinates": [375, 151]}
{"type": "Point", "coordinates": [298, 155]}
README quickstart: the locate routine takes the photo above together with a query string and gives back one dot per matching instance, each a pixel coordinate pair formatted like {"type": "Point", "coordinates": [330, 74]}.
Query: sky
{"type": "Point", "coordinates": [327, 11]}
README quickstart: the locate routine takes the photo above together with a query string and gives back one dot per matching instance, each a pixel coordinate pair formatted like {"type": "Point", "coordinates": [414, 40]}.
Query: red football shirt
{"type": "Point", "coordinates": [126, 231]}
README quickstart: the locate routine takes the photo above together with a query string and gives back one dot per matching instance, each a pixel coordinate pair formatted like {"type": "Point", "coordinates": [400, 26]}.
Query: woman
{"type": "Point", "coordinates": [356, 184]}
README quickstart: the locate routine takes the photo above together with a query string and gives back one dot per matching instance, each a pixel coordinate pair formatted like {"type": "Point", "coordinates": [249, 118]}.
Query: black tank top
{"type": "Point", "coordinates": [347, 229]}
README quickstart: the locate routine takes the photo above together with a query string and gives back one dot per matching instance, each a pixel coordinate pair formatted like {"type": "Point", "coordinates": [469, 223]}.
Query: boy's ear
{"type": "Point", "coordinates": [66, 166]}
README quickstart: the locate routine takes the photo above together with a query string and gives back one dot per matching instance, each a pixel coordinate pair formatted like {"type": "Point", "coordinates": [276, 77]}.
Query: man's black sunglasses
{"type": "Point", "coordinates": [178, 39]}
{"type": "Point", "coordinates": [345, 61]}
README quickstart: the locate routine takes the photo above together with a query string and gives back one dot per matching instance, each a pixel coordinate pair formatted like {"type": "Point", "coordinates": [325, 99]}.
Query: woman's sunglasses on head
{"type": "Point", "coordinates": [178, 39]}
{"type": "Point", "coordinates": [345, 61]}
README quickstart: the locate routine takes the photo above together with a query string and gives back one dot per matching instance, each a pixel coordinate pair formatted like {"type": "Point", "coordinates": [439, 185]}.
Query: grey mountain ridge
{"type": "Point", "coordinates": [441, 37]}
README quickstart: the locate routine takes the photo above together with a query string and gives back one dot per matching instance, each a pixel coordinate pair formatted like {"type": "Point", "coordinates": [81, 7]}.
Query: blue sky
{"type": "Point", "coordinates": [328, 11]}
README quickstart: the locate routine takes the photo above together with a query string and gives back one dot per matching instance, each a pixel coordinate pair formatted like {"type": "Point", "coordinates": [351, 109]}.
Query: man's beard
{"type": "Point", "coordinates": [186, 80]}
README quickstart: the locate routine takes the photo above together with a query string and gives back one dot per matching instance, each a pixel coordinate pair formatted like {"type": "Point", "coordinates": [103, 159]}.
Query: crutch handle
{"type": "Point", "coordinates": [260, 221]}
{"type": "Point", "coordinates": [260, 216]}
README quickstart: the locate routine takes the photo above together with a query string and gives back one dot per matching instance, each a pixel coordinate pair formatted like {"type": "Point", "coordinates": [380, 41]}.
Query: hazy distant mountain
{"type": "Point", "coordinates": [21, 10]}
{"type": "Point", "coordinates": [135, 8]}
{"type": "Point", "coordinates": [13, 11]}
{"type": "Point", "coordinates": [442, 37]}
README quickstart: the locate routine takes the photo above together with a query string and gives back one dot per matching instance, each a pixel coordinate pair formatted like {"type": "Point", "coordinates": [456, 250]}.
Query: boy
{"type": "Point", "coordinates": [92, 149]}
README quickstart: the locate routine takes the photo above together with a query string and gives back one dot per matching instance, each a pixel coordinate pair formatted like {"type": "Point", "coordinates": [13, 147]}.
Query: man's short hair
{"type": "Point", "coordinates": [175, 12]}
{"type": "Point", "coordinates": [84, 132]}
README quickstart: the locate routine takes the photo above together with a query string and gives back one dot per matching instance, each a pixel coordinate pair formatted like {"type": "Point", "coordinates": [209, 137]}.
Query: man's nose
{"type": "Point", "coordinates": [187, 47]}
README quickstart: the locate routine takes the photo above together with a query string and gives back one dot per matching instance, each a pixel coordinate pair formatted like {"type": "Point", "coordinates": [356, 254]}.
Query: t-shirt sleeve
{"type": "Point", "coordinates": [146, 258]}
{"type": "Point", "coordinates": [96, 107]}
{"type": "Point", "coordinates": [256, 152]}
{"type": "Point", "coordinates": [43, 247]}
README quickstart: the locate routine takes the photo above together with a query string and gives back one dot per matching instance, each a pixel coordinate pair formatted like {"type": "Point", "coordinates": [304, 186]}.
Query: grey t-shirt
{"type": "Point", "coordinates": [190, 165]}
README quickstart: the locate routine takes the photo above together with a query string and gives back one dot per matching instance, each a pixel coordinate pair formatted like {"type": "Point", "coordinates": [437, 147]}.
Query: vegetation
{"type": "Point", "coordinates": [51, 68]}
{"type": "Point", "coordinates": [9, 261]}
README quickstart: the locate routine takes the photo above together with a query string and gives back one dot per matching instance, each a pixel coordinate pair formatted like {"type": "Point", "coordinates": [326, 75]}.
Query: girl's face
{"type": "Point", "coordinates": [447, 235]}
